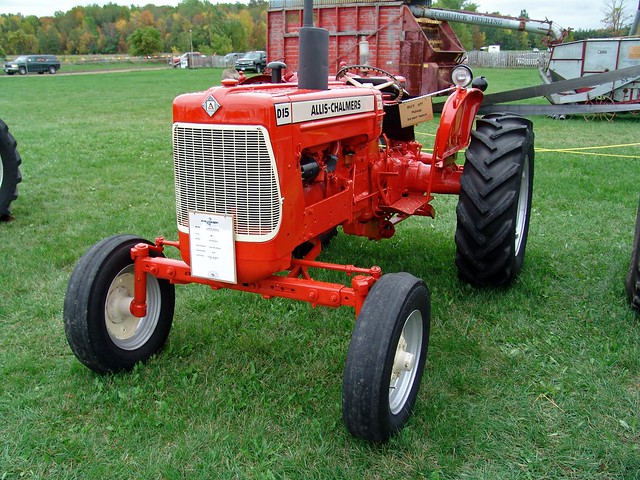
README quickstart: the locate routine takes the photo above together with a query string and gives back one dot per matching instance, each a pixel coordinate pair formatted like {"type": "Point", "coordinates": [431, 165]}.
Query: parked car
{"type": "Point", "coordinates": [32, 64]}
{"type": "Point", "coordinates": [255, 61]}
{"type": "Point", "coordinates": [230, 59]}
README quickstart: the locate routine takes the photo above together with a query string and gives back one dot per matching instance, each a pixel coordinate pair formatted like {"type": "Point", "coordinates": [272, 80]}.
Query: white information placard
{"type": "Point", "coordinates": [212, 246]}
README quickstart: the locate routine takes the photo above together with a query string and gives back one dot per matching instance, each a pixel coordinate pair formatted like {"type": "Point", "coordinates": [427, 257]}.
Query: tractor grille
{"type": "Point", "coordinates": [227, 170]}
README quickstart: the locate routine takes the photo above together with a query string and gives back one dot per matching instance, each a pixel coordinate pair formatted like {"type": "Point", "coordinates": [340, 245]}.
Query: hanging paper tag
{"type": "Point", "coordinates": [212, 247]}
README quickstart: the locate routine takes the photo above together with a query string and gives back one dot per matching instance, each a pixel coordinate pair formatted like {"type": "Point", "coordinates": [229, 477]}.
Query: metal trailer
{"type": "Point", "coordinates": [566, 74]}
{"type": "Point", "coordinates": [381, 33]}
{"type": "Point", "coordinates": [414, 40]}
{"type": "Point", "coordinates": [589, 57]}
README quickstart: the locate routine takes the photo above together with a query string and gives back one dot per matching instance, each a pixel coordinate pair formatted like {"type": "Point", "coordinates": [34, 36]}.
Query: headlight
{"type": "Point", "coordinates": [461, 76]}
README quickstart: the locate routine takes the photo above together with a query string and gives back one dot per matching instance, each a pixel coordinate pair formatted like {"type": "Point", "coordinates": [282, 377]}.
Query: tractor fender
{"type": "Point", "coordinates": [456, 121]}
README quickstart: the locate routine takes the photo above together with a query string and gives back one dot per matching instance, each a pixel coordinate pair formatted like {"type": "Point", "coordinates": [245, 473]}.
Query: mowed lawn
{"type": "Point", "coordinates": [540, 380]}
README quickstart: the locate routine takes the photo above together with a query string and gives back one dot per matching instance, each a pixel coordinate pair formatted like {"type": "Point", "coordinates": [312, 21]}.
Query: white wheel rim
{"type": "Point", "coordinates": [127, 331]}
{"type": "Point", "coordinates": [405, 363]}
{"type": "Point", "coordinates": [523, 204]}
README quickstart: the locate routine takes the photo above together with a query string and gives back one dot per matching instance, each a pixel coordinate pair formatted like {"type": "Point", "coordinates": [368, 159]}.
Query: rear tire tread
{"type": "Point", "coordinates": [489, 196]}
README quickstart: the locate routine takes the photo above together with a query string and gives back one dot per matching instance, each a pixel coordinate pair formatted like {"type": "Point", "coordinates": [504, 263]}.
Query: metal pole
{"type": "Point", "coordinates": [636, 20]}
{"type": "Point", "coordinates": [190, 56]}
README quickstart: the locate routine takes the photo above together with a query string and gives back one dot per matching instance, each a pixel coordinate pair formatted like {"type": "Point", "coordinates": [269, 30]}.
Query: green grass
{"type": "Point", "coordinates": [541, 380]}
{"type": "Point", "coordinates": [113, 65]}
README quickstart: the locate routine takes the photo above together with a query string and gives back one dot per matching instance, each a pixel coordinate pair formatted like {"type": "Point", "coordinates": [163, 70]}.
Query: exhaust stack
{"type": "Point", "coordinates": [313, 56]}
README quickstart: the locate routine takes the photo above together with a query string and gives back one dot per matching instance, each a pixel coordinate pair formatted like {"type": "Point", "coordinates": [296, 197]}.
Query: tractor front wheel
{"type": "Point", "coordinates": [386, 357]}
{"type": "Point", "coordinates": [10, 174]}
{"type": "Point", "coordinates": [632, 283]}
{"type": "Point", "coordinates": [100, 329]}
{"type": "Point", "coordinates": [495, 201]}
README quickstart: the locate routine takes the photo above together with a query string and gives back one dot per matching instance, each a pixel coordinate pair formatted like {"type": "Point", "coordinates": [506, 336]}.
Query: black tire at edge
{"type": "Point", "coordinates": [632, 282]}
{"type": "Point", "coordinates": [84, 303]}
{"type": "Point", "coordinates": [365, 391]}
{"type": "Point", "coordinates": [11, 171]}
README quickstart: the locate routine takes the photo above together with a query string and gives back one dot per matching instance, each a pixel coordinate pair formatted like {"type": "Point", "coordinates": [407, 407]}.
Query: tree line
{"type": "Point", "coordinates": [211, 29]}
{"type": "Point", "coordinates": [115, 29]}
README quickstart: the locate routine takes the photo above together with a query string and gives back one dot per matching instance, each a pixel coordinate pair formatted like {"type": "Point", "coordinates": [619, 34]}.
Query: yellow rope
{"type": "Point", "coordinates": [576, 150]}
{"type": "Point", "coordinates": [616, 155]}
{"type": "Point", "coordinates": [587, 148]}
{"type": "Point", "coordinates": [581, 150]}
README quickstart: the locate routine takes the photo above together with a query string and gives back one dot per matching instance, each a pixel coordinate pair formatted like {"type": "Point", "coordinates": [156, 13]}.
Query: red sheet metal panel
{"type": "Point", "coordinates": [423, 53]}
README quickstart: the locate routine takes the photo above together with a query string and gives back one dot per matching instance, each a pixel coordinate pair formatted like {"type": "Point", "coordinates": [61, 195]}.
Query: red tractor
{"type": "Point", "coordinates": [265, 172]}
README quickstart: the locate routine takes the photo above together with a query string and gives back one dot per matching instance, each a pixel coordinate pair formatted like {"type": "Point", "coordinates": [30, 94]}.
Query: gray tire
{"type": "Point", "coordinates": [100, 330]}
{"type": "Point", "coordinates": [386, 357]}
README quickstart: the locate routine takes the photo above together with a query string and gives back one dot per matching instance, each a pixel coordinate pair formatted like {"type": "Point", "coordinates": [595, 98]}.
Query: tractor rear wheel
{"type": "Point", "coordinates": [495, 201]}
{"type": "Point", "coordinates": [100, 329]}
{"type": "Point", "coordinates": [10, 174]}
{"type": "Point", "coordinates": [632, 283]}
{"type": "Point", "coordinates": [386, 357]}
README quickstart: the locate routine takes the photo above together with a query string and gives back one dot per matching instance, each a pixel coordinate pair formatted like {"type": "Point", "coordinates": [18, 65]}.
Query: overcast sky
{"type": "Point", "coordinates": [575, 14]}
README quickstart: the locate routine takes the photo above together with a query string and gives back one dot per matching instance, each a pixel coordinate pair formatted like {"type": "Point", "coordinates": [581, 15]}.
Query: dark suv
{"type": "Point", "coordinates": [32, 64]}
{"type": "Point", "coordinates": [256, 61]}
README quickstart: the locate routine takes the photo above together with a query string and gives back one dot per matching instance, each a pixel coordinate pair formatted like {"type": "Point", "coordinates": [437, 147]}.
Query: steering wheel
{"type": "Point", "coordinates": [393, 81]}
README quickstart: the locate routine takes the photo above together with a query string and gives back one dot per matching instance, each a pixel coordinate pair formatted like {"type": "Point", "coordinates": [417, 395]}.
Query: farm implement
{"type": "Point", "coordinates": [419, 41]}
{"type": "Point", "coordinates": [625, 80]}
